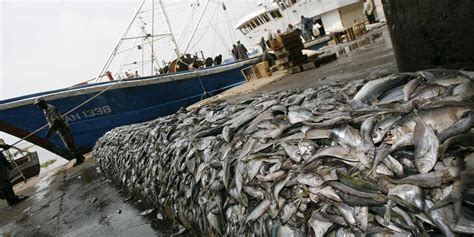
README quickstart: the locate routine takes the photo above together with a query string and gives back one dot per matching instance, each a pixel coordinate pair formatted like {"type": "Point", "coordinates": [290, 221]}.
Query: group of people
{"type": "Point", "coordinates": [239, 51]}
{"type": "Point", "coordinates": [309, 29]}
{"type": "Point", "coordinates": [209, 62]}
{"type": "Point", "coordinates": [131, 75]}
{"type": "Point", "coordinates": [57, 124]}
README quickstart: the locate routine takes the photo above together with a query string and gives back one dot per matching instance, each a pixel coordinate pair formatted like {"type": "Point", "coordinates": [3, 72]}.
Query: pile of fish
{"type": "Point", "coordinates": [390, 156]}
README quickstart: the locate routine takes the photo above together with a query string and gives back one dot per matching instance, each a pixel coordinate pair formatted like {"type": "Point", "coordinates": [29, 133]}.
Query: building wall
{"type": "Point", "coordinates": [332, 21]}
{"type": "Point", "coordinates": [352, 14]}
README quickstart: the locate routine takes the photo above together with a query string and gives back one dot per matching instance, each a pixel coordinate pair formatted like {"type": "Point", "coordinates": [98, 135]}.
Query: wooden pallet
{"type": "Point", "coordinates": [250, 73]}
{"type": "Point", "coordinates": [294, 69]}
{"type": "Point", "coordinates": [263, 69]}
{"type": "Point", "coordinates": [308, 66]}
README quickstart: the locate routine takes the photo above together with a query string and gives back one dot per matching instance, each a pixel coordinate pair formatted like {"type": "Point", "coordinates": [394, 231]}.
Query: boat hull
{"type": "Point", "coordinates": [317, 43]}
{"type": "Point", "coordinates": [120, 103]}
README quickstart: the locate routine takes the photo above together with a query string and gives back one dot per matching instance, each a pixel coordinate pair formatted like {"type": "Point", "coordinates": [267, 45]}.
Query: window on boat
{"type": "Point", "coordinates": [278, 13]}
{"type": "Point", "coordinates": [256, 22]}
{"type": "Point", "coordinates": [282, 6]}
{"type": "Point", "coordinates": [286, 3]}
{"type": "Point", "coordinates": [265, 17]}
{"type": "Point", "coordinates": [275, 14]}
{"type": "Point", "coordinates": [252, 25]}
{"type": "Point", "coordinates": [249, 27]}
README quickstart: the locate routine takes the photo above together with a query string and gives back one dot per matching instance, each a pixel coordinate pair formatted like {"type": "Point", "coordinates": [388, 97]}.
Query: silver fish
{"type": "Point", "coordinates": [258, 211]}
{"type": "Point", "coordinates": [426, 147]}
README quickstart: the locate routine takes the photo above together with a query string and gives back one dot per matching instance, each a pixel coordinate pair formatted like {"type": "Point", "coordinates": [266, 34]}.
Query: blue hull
{"type": "Point", "coordinates": [130, 101]}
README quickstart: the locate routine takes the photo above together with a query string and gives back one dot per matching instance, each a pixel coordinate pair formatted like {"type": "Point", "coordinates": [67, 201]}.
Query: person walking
{"type": "Point", "coordinates": [263, 45]}
{"type": "Point", "coordinates": [243, 52]}
{"type": "Point", "coordinates": [6, 188]}
{"type": "Point", "coordinates": [58, 124]}
{"type": "Point", "coordinates": [235, 52]}
{"type": "Point", "coordinates": [306, 27]}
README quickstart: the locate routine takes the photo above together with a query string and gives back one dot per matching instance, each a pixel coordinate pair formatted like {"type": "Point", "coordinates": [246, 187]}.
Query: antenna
{"type": "Point", "coordinates": [167, 23]}
{"type": "Point", "coordinates": [117, 46]}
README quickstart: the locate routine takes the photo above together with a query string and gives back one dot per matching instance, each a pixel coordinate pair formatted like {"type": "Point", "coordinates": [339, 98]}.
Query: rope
{"type": "Point", "coordinates": [205, 30]}
{"type": "Point", "coordinates": [204, 91]}
{"type": "Point", "coordinates": [70, 111]}
{"type": "Point", "coordinates": [113, 85]}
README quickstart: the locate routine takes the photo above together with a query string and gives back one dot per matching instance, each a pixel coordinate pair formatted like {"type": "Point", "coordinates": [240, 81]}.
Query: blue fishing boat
{"type": "Point", "coordinates": [125, 102]}
{"type": "Point", "coordinates": [92, 109]}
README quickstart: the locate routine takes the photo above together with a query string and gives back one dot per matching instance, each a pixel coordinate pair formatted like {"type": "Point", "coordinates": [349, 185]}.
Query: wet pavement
{"type": "Point", "coordinates": [77, 201]}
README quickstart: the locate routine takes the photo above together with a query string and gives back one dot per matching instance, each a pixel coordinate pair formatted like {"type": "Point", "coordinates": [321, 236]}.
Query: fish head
{"type": "Point", "coordinates": [409, 196]}
{"type": "Point", "coordinates": [391, 137]}
{"type": "Point", "coordinates": [377, 134]}
{"type": "Point", "coordinates": [307, 148]}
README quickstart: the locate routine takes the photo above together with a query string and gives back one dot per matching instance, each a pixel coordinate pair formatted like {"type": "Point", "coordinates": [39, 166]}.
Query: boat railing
{"type": "Point", "coordinates": [12, 160]}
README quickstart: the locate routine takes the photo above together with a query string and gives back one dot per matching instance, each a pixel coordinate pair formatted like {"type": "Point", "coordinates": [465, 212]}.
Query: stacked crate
{"type": "Point", "coordinates": [287, 49]}
{"type": "Point", "coordinates": [256, 71]}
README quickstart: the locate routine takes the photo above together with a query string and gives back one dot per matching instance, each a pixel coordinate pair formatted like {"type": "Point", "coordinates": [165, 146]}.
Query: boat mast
{"type": "Point", "coordinates": [109, 60]}
{"type": "Point", "coordinates": [196, 26]}
{"type": "Point", "coordinates": [167, 23]}
{"type": "Point", "coordinates": [152, 35]}
{"type": "Point", "coordinates": [154, 59]}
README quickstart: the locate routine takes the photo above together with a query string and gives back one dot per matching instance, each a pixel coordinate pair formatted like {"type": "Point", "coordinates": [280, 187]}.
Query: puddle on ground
{"type": "Point", "coordinates": [42, 187]}
{"type": "Point", "coordinates": [88, 175]}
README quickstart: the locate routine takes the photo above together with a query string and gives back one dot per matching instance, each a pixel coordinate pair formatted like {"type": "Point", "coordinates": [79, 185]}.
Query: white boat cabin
{"type": "Point", "coordinates": [332, 15]}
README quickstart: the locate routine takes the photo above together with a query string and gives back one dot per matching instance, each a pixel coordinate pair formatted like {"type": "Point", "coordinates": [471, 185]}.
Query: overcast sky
{"type": "Point", "coordinates": [54, 44]}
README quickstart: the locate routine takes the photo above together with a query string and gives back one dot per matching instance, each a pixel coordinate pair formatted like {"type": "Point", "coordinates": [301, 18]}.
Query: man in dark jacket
{"type": "Point", "coordinates": [235, 52]}
{"type": "Point", "coordinates": [243, 52]}
{"type": "Point", "coordinates": [6, 188]}
{"type": "Point", "coordinates": [58, 124]}
{"type": "Point", "coordinates": [218, 60]}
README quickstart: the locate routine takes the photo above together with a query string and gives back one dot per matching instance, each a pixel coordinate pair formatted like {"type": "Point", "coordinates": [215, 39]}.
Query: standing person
{"type": "Point", "coordinates": [290, 28]}
{"type": "Point", "coordinates": [243, 52]}
{"type": "Point", "coordinates": [218, 60]}
{"type": "Point", "coordinates": [6, 188]}
{"type": "Point", "coordinates": [306, 27]}
{"type": "Point", "coordinates": [57, 123]}
{"type": "Point", "coordinates": [208, 62]}
{"type": "Point", "coordinates": [369, 11]}
{"type": "Point", "coordinates": [263, 45]}
{"type": "Point", "coordinates": [316, 31]}
{"type": "Point", "coordinates": [269, 35]}
{"type": "Point", "coordinates": [235, 52]}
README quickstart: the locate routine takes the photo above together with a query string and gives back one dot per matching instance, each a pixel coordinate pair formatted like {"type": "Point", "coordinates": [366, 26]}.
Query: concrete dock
{"type": "Point", "coordinates": [78, 201]}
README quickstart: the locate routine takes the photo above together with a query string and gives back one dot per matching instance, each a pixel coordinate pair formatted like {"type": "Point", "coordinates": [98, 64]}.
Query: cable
{"type": "Point", "coordinates": [72, 110]}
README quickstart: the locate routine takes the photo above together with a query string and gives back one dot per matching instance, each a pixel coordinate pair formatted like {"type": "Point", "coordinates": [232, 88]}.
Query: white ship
{"type": "Point", "coordinates": [331, 15]}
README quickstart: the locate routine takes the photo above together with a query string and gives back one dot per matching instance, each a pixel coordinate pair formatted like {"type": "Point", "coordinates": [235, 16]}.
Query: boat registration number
{"type": "Point", "coordinates": [94, 112]}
